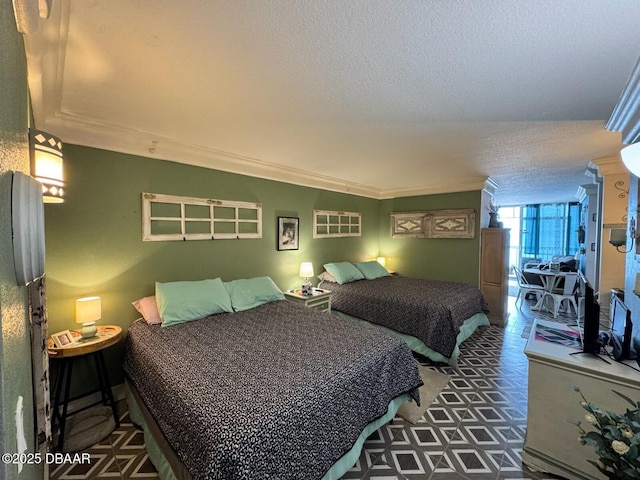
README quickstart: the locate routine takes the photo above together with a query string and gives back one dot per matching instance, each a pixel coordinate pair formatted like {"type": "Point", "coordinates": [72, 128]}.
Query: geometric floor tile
{"type": "Point", "coordinates": [120, 456]}
{"type": "Point", "coordinates": [474, 430]}
{"type": "Point", "coordinates": [470, 460]}
{"type": "Point", "coordinates": [481, 435]}
{"type": "Point", "coordinates": [426, 436]}
{"type": "Point", "coordinates": [407, 462]}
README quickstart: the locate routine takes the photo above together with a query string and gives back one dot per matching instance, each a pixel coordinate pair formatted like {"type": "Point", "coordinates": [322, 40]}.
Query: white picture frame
{"type": "Point", "coordinates": [63, 339]}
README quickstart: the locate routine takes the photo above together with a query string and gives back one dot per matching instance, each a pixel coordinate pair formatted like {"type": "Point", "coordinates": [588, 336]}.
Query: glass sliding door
{"type": "Point", "coordinates": [510, 218]}
{"type": "Point", "coordinates": [548, 230]}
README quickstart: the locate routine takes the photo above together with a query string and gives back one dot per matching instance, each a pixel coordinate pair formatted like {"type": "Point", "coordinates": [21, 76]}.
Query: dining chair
{"type": "Point", "coordinates": [524, 287]}
{"type": "Point", "coordinates": [563, 293]}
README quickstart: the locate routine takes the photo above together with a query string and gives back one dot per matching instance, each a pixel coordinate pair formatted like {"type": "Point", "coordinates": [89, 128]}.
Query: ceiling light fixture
{"type": "Point", "coordinates": [631, 158]}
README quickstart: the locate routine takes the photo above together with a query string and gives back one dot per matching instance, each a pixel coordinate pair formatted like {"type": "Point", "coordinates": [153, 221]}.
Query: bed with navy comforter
{"type": "Point", "coordinates": [432, 311]}
{"type": "Point", "coordinates": [277, 391]}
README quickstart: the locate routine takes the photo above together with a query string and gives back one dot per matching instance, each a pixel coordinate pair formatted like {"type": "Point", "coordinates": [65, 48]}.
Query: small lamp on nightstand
{"type": "Point", "coordinates": [306, 271]}
{"type": "Point", "coordinates": [88, 310]}
{"type": "Point", "coordinates": [381, 261]}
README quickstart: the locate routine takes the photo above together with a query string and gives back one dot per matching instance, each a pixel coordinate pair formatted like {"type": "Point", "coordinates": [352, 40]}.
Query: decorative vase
{"type": "Point", "coordinates": [493, 220]}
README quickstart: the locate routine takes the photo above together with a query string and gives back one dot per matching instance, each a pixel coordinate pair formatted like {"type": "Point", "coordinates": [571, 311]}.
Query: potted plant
{"type": "Point", "coordinates": [615, 438]}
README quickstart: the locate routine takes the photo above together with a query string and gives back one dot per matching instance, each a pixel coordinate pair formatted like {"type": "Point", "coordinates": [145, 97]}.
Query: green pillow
{"type": "Point", "coordinates": [249, 293]}
{"type": "Point", "coordinates": [184, 301]}
{"type": "Point", "coordinates": [372, 269]}
{"type": "Point", "coordinates": [344, 272]}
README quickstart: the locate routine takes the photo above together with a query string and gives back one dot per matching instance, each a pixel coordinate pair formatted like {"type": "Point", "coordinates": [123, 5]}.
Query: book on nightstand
{"type": "Point", "coordinates": [316, 291]}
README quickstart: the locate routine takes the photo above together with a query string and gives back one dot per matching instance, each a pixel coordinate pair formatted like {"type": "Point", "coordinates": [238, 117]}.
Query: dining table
{"type": "Point", "coordinates": [547, 277]}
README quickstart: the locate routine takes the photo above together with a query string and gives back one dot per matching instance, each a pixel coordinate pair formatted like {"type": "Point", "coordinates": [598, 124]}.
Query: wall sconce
{"type": "Point", "coordinates": [88, 310]}
{"type": "Point", "coordinates": [27, 224]}
{"type": "Point", "coordinates": [618, 236]}
{"type": "Point", "coordinates": [306, 271]}
{"type": "Point", "coordinates": [46, 164]}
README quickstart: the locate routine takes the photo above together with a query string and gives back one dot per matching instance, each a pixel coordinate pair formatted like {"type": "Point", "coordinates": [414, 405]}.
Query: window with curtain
{"type": "Point", "coordinates": [549, 229]}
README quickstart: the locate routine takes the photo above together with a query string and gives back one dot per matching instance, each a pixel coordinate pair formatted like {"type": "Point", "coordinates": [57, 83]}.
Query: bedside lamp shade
{"type": "Point", "coordinates": [306, 270]}
{"type": "Point", "coordinates": [88, 310]}
{"type": "Point", "coordinates": [381, 261]}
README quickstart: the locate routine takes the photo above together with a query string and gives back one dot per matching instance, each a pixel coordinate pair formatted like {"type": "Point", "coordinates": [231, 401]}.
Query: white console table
{"type": "Point", "coordinates": [552, 441]}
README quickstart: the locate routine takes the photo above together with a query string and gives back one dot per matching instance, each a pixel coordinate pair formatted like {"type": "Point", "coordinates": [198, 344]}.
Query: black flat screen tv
{"type": "Point", "coordinates": [591, 322]}
{"type": "Point", "coordinates": [621, 332]}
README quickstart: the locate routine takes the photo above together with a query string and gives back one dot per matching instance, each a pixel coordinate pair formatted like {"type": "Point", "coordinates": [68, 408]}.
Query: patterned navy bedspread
{"type": "Point", "coordinates": [278, 391]}
{"type": "Point", "coordinates": [430, 310]}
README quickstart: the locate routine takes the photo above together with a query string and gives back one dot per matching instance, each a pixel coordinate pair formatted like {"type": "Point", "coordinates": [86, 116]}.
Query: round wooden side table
{"type": "Point", "coordinates": [107, 336]}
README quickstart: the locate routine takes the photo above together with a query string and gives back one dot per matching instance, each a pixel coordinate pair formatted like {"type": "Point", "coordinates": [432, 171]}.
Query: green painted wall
{"type": "Point", "coordinates": [94, 239]}
{"type": "Point", "coordinates": [15, 349]}
{"type": "Point", "coordinates": [95, 247]}
{"type": "Point", "coordinates": [437, 258]}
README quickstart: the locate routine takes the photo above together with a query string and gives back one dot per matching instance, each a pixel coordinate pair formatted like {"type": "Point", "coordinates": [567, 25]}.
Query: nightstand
{"type": "Point", "coordinates": [107, 336]}
{"type": "Point", "coordinates": [320, 300]}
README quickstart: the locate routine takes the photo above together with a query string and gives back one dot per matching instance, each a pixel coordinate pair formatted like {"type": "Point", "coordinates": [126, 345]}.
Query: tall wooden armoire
{"type": "Point", "coordinates": [494, 272]}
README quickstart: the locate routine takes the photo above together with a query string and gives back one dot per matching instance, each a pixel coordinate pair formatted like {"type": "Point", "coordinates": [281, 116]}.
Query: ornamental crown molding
{"type": "Point", "coordinates": [584, 191]}
{"type": "Point", "coordinates": [625, 117]}
{"type": "Point", "coordinates": [609, 166]}
{"type": "Point", "coordinates": [490, 186]}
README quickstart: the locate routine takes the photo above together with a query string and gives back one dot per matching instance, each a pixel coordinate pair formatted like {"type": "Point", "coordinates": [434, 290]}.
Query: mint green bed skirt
{"type": "Point", "coordinates": [415, 344]}
{"type": "Point", "coordinates": [344, 463]}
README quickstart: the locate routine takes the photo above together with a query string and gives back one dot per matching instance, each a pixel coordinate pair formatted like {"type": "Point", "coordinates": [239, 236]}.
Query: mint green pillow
{"type": "Point", "coordinates": [372, 269]}
{"type": "Point", "coordinates": [249, 293]}
{"type": "Point", "coordinates": [180, 302]}
{"type": "Point", "coordinates": [344, 272]}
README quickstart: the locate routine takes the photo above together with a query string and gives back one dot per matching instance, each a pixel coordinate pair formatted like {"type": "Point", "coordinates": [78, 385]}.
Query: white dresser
{"type": "Point", "coordinates": [552, 441]}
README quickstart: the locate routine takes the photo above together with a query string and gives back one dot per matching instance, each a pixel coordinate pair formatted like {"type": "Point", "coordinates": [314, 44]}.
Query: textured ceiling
{"type": "Point", "coordinates": [376, 97]}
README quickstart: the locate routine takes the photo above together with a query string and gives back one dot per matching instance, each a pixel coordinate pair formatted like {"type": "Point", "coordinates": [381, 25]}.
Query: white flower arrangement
{"type": "Point", "coordinates": [616, 438]}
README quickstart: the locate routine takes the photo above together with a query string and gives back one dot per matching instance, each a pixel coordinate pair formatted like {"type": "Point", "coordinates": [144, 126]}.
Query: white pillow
{"type": "Point", "coordinates": [327, 277]}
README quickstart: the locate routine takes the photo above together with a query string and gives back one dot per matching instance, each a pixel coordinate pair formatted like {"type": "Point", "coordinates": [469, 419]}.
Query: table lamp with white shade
{"type": "Point", "coordinates": [88, 310]}
{"type": "Point", "coordinates": [306, 271]}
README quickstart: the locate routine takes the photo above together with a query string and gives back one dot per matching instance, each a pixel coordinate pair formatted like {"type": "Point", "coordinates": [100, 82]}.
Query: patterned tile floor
{"type": "Point", "coordinates": [474, 430]}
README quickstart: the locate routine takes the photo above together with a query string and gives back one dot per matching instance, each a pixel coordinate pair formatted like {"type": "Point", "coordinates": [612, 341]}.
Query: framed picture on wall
{"type": "Point", "coordinates": [288, 233]}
